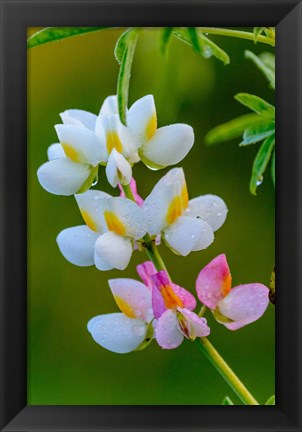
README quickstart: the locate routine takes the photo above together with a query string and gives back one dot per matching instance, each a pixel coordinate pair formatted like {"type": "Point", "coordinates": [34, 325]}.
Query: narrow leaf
{"type": "Point", "coordinates": [273, 167]}
{"type": "Point", "coordinates": [196, 42]}
{"type": "Point", "coordinates": [227, 401]}
{"type": "Point", "coordinates": [258, 132]}
{"type": "Point", "coordinates": [260, 163]}
{"type": "Point", "coordinates": [255, 103]}
{"type": "Point", "coordinates": [52, 34]}
{"type": "Point", "coordinates": [232, 129]}
{"type": "Point", "coordinates": [210, 48]}
{"type": "Point", "coordinates": [271, 400]}
{"type": "Point", "coordinates": [124, 75]}
{"type": "Point", "coordinates": [269, 60]}
{"type": "Point", "coordinates": [257, 32]}
{"type": "Point", "coordinates": [270, 75]}
{"type": "Point", "coordinates": [121, 45]}
{"type": "Point", "coordinates": [165, 39]}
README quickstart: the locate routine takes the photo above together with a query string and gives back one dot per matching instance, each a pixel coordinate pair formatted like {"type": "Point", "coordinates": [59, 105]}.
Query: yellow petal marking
{"type": "Point", "coordinates": [151, 126]}
{"type": "Point", "coordinates": [71, 152]}
{"type": "Point", "coordinates": [88, 220]}
{"type": "Point", "coordinates": [171, 299]}
{"type": "Point", "coordinates": [184, 197]}
{"type": "Point", "coordinates": [114, 223]}
{"type": "Point", "coordinates": [226, 285]}
{"type": "Point", "coordinates": [113, 142]}
{"type": "Point", "coordinates": [124, 307]}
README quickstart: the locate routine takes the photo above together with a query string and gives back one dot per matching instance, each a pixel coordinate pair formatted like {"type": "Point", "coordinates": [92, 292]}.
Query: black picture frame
{"type": "Point", "coordinates": [16, 16]}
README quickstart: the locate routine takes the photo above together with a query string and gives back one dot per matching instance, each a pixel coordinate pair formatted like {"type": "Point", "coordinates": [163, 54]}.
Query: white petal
{"type": "Point", "coordinates": [167, 332]}
{"type": "Point", "coordinates": [63, 176]}
{"type": "Point", "coordinates": [141, 118]}
{"type": "Point", "coordinates": [118, 169]}
{"type": "Point", "coordinates": [133, 298]}
{"type": "Point", "coordinates": [55, 151]}
{"type": "Point", "coordinates": [109, 106]}
{"type": "Point", "coordinates": [77, 245]}
{"type": "Point", "coordinates": [188, 234]}
{"type": "Point", "coordinates": [113, 250]}
{"type": "Point", "coordinates": [210, 208]}
{"type": "Point", "coordinates": [80, 144]}
{"type": "Point", "coordinates": [125, 217]}
{"type": "Point", "coordinates": [166, 202]}
{"type": "Point", "coordinates": [79, 118]}
{"type": "Point", "coordinates": [116, 135]}
{"type": "Point", "coordinates": [168, 146]}
{"type": "Point", "coordinates": [117, 333]}
{"type": "Point", "coordinates": [91, 206]}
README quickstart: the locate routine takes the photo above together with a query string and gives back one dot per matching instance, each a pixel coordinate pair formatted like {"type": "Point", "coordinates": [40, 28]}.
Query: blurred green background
{"type": "Point", "coordinates": [65, 366]}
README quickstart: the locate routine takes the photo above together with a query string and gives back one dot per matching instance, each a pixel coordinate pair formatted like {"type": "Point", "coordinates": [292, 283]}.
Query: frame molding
{"type": "Point", "coordinates": [15, 415]}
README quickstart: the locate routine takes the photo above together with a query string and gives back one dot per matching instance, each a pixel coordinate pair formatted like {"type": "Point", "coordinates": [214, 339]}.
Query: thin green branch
{"type": "Point", "coordinates": [237, 34]}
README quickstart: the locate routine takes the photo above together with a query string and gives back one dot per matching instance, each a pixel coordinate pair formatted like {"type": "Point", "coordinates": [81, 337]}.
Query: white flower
{"type": "Point", "coordinates": [87, 140]}
{"type": "Point", "coordinates": [186, 225]}
{"type": "Point", "coordinates": [130, 330]}
{"type": "Point", "coordinates": [112, 224]}
{"type": "Point", "coordinates": [73, 164]}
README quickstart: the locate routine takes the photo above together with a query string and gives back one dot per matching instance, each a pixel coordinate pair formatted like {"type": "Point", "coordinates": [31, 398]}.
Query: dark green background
{"type": "Point", "coordinates": [65, 366]}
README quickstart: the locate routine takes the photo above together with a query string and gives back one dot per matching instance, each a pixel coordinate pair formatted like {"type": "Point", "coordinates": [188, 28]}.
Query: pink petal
{"type": "Point", "coordinates": [167, 331]}
{"type": "Point", "coordinates": [244, 304]}
{"type": "Point", "coordinates": [214, 282]}
{"type": "Point", "coordinates": [133, 298]}
{"type": "Point", "coordinates": [191, 325]}
{"type": "Point", "coordinates": [158, 304]}
{"type": "Point", "coordinates": [145, 271]}
{"type": "Point", "coordinates": [185, 296]}
{"type": "Point", "coordinates": [138, 199]}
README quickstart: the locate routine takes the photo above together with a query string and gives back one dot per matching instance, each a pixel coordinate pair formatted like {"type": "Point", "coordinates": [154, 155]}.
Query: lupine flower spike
{"type": "Point", "coordinates": [236, 307]}
{"type": "Point", "coordinates": [106, 241]}
{"type": "Point", "coordinates": [186, 225]}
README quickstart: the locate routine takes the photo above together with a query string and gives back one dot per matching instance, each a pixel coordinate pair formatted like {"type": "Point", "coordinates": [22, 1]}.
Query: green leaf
{"type": "Point", "coordinates": [165, 39]}
{"type": "Point", "coordinates": [260, 163]}
{"type": "Point", "coordinates": [232, 129]}
{"type": "Point", "coordinates": [125, 74]}
{"type": "Point", "coordinates": [210, 48]}
{"type": "Point", "coordinates": [271, 401]}
{"type": "Point", "coordinates": [258, 132]}
{"type": "Point", "coordinates": [121, 45]}
{"type": "Point", "coordinates": [196, 42]}
{"type": "Point", "coordinates": [269, 60]}
{"type": "Point", "coordinates": [273, 167]}
{"type": "Point", "coordinates": [227, 401]}
{"type": "Point", "coordinates": [270, 75]}
{"type": "Point", "coordinates": [257, 32]}
{"type": "Point", "coordinates": [255, 103]}
{"type": "Point", "coordinates": [52, 34]}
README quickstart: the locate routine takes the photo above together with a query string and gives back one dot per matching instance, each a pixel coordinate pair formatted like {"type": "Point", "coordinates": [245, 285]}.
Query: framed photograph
{"type": "Point", "coordinates": [150, 200]}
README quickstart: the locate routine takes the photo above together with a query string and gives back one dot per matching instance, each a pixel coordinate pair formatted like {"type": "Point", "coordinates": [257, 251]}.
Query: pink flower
{"type": "Point", "coordinates": [236, 307]}
{"type": "Point", "coordinates": [172, 307]}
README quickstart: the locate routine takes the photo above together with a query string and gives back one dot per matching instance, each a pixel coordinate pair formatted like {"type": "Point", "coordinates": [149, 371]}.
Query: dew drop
{"type": "Point", "coordinates": [207, 52]}
{"type": "Point", "coordinates": [95, 181]}
{"type": "Point", "coordinates": [259, 181]}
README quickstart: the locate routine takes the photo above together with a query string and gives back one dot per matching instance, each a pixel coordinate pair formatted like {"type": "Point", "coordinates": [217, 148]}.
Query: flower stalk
{"type": "Point", "coordinates": [225, 371]}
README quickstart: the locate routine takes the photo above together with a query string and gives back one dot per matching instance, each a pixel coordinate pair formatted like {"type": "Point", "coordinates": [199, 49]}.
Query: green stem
{"type": "Point", "coordinates": [204, 344]}
{"type": "Point", "coordinates": [237, 34]}
{"type": "Point", "coordinates": [225, 371]}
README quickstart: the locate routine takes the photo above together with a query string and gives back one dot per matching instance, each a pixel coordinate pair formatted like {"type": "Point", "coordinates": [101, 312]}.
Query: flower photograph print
{"type": "Point", "coordinates": [151, 216]}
